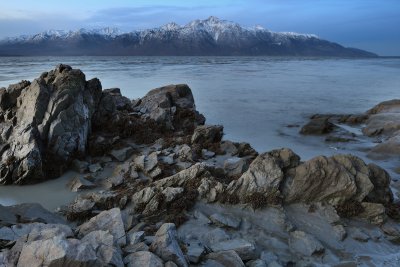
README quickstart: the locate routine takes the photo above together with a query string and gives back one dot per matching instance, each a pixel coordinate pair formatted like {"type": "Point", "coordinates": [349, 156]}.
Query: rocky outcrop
{"type": "Point", "coordinates": [60, 116]}
{"type": "Point", "coordinates": [45, 124]}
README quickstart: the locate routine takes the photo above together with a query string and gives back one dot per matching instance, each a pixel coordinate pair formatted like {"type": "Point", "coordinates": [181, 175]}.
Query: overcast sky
{"type": "Point", "coordinates": [372, 25]}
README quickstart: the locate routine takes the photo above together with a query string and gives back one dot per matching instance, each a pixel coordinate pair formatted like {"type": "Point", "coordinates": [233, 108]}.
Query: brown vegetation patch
{"type": "Point", "coordinates": [260, 200]}
{"type": "Point", "coordinates": [232, 199]}
{"type": "Point", "coordinates": [349, 209]}
{"type": "Point", "coordinates": [393, 211]}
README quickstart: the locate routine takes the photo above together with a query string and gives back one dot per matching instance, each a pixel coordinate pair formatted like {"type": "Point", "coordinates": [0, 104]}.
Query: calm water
{"type": "Point", "coordinates": [254, 98]}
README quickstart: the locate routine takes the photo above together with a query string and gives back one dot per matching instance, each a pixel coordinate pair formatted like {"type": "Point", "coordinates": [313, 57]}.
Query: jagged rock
{"type": "Point", "coordinates": [185, 153]}
{"type": "Point", "coordinates": [222, 220]}
{"type": "Point", "coordinates": [388, 148]}
{"type": "Point", "coordinates": [143, 259]}
{"type": "Point", "coordinates": [103, 244]}
{"type": "Point", "coordinates": [134, 237]}
{"type": "Point", "coordinates": [373, 212]}
{"type": "Point", "coordinates": [122, 154]}
{"type": "Point", "coordinates": [120, 102]}
{"type": "Point", "coordinates": [171, 193]}
{"type": "Point", "coordinates": [109, 220]}
{"type": "Point", "coordinates": [56, 110]}
{"type": "Point", "coordinates": [166, 245]}
{"type": "Point", "coordinates": [304, 244]}
{"type": "Point", "coordinates": [235, 166]}
{"type": "Point", "coordinates": [194, 251]}
{"type": "Point", "coordinates": [57, 250]}
{"type": "Point", "coordinates": [328, 179]}
{"type": "Point", "coordinates": [210, 190]}
{"type": "Point", "coordinates": [227, 258]}
{"type": "Point", "coordinates": [79, 183]}
{"type": "Point", "coordinates": [243, 248]}
{"type": "Point", "coordinates": [318, 126]}
{"type": "Point", "coordinates": [34, 231]}
{"type": "Point", "coordinates": [228, 147]}
{"type": "Point", "coordinates": [207, 134]}
{"type": "Point", "coordinates": [263, 176]}
{"type": "Point", "coordinates": [172, 105]}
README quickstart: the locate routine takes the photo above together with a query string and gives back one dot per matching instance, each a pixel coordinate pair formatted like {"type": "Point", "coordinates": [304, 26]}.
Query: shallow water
{"type": "Point", "coordinates": [255, 98]}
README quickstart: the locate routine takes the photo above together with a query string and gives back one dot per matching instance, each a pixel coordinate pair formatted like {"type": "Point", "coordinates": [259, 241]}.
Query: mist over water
{"type": "Point", "coordinates": [254, 98]}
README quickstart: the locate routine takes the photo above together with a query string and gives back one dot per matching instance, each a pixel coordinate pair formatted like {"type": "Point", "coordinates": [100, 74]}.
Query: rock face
{"type": "Point", "coordinates": [172, 106]}
{"type": "Point", "coordinates": [45, 123]}
{"type": "Point", "coordinates": [329, 179]}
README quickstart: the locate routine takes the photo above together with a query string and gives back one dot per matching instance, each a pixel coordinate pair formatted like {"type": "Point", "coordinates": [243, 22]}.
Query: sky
{"type": "Point", "coordinates": [373, 25]}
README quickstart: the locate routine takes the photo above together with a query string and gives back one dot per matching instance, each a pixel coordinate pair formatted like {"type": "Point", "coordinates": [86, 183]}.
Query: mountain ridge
{"type": "Point", "coordinates": [209, 37]}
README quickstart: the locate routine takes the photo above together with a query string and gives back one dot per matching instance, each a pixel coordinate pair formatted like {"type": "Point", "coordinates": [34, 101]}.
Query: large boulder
{"type": "Point", "coordinates": [45, 124]}
{"type": "Point", "coordinates": [172, 105]}
{"type": "Point", "coordinates": [336, 180]}
{"type": "Point", "coordinates": [265, 174]}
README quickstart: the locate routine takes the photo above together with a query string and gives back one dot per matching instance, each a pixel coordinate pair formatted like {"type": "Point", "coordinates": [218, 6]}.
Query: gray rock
{"type": "Point", "coordinates": [103, 244]}
{"type": "Point", "coordinates": [207, 134]}
{"type": "Point", "coordinates": [50, 252]}
{"type": "Point", "coordinates": [171, 193]}
{"type": "Point", "coordinates": [318, 126]}
{"type": "Point", "coordinates": [235, 166]}
{"type": "Point", "coordinates": [109, 220]}
{"type": "Point", "coordinates": [161, 104]}
{"type": "Point", "coordinates": [332, 180]}
{"type": "Point", "coordinates": [79, 183]}
{"type": "Point", "coordinates": [34, 212]}
{"type": "Point", "coordinates": [95, 168]}
{"type": "Point", "coordinates": [6, 216]}
{"type": "Point", "coordinates": [135, 248]}
{"type": "Point", "coordinates": [195, 250]}
{"type": "Point", "coordinates": [304, 244]}
{"type": "Point", "coordinates": [223, 220]}
{"type": "Point", "coordinates": [263, 176]}
{"type": "Point", "coordinates": [122, 154]}
{"type": "Point", "coordinates": [143, 259]}
{"type": "Point", "coordinates": [223, 259]}
{"type": "Point", "coordinates": [166, 245]}
{"type": "Point", "coordinates": [56, 110]}
{"type": "Point", "coordinates": [243, 248]}
{"type": "Point", "coordinates": [135, 237]}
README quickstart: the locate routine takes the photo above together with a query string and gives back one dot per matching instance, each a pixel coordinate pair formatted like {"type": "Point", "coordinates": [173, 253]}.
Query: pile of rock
{"type": "Point", "coordinates": [165, 164]}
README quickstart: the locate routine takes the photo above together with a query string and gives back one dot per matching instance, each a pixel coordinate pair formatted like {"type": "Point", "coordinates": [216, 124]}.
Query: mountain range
{"type": "Point", "coordinates": [209, 37]}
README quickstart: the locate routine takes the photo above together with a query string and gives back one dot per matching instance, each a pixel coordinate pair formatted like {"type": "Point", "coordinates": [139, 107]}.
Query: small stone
{"type": "Point", "coordinates": [80, 166]}
{"type": "Point", "coordinates": [206, 154]}
{"type": "Point", "coordinates": [359, 235]}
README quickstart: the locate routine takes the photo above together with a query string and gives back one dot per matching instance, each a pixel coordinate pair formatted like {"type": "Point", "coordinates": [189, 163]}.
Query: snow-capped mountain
{"type": "Point", "coordinates": [199, 37]}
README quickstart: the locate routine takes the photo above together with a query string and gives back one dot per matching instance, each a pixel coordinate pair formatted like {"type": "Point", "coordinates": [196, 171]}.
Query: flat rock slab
{"type": "Point", "coordinates": [225, 220]}
{"type": "Point", "coordinates": [243, 248]}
